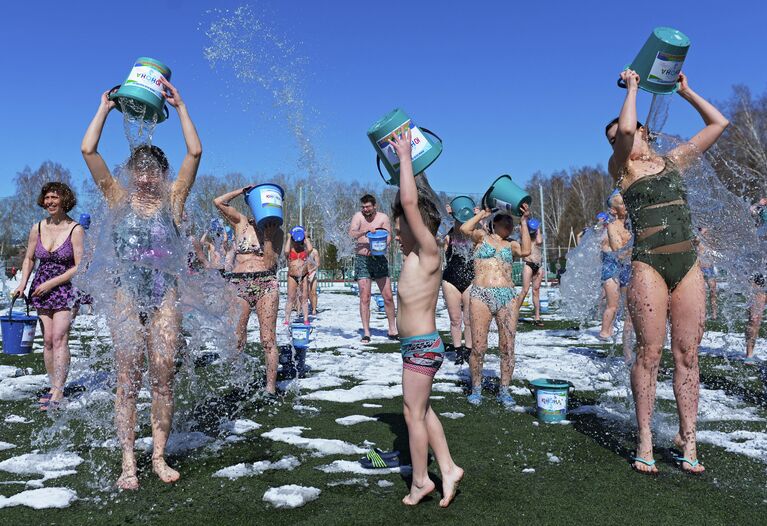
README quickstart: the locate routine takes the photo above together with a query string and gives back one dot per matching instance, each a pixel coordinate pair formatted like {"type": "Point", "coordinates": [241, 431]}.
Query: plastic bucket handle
{"type": "Point", "coordinates": [114, 90]}
{"type": "Point", "coordinates": [378, 158]}
{"type": "Point", "coordinates": [15, 297]}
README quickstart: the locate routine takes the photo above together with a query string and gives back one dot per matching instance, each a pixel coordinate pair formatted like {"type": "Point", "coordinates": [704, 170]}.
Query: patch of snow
{"type": "Point", "coordinates": [290, 496]}
{"type": "Point", "coordinates": [40, 498]}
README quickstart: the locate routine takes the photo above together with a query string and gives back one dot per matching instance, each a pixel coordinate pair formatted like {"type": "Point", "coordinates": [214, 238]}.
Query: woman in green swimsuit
{"type": "Point", "coordinates": [493, 296]}
{"type": "Point", "coordinates": [666, 280]}
{"type": "Point", "coordinates": [147, 257]}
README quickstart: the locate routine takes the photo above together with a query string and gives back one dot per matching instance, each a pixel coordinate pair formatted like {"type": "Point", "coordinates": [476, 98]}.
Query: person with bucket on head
{"type": "Point", "coordinates": [257, 248]}
{"type": "Point", "coordinates": [665, 276]}
{"type": "Point", "coordinates": [416, 220]}
{"type": "Point", "coordinates": [314, 268]}
{"type": "Point", "coordinates": [532, 272]}
{"type": "Point", "coordinates": [57, 244]}
{"type": "Point", "coordinates": [759, 285]}
{"type": "Point", "coordinates": [369, 266]}
{"type": "Point", "coordinates": [297, 249]}
{"type": "Point", "coordinates": [144, 221]}
{"type": "Point", "coordinates": [616, 273]}
{"type": "Point", "coordinates": [493, 294]}
{"type": "Point", "coordinates": [457, 277]}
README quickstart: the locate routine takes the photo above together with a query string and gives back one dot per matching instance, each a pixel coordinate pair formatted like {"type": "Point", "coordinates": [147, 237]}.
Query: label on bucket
{"type": "Point", "coordinates": [378, 245]}
{"type": "Point", "coordinates": [28, 335]}
{"type": "Point", "coordinates": [665, 70]}
{"type": "Point", "coordinates": [146, 77]}
{"type": "Point", "coordinates": [503, 205]}
{"type": "Point", "coordinates": [552, 401]}
{"type": "Point", "coordinates": [418, 142]}
{"type": "Point", "coordinates": [270, 198]}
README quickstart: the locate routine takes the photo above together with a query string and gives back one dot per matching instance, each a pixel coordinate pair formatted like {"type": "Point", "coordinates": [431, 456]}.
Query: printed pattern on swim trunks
{"type": "Point", "coordinates": [423, 354]}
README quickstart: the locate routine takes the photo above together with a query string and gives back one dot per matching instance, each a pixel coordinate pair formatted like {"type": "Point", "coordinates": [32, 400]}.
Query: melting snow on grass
{"type": "Point", "coordinates": [290, 496]}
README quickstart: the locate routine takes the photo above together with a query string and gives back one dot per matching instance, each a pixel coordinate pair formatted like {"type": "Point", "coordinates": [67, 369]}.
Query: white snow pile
{"type": "Point", "coordinates": [248, 470]}
{"type": "Point", "coordinates": [290, 496]}
{"type": "Point", "coordinates": [40, 498]}
{"type": "Point", "coordinates": [452, 415]}
{"type": "Point", "coordinates": [347, 466]}
{"type": "Point", "coordinates": [355, 419]}
{"type": "Point", "coordinates": [320, 446]}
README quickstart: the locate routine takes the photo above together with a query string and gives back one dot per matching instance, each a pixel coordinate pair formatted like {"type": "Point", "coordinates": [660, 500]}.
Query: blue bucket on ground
{"type": "Point", "coordinates": [300, 335]}
{"type": "Point", "coordinates": [379, 302]}
{"type": "Point", "coordinates": [378, 242]}
{"type": "Point", "coordinates": [18, 331]}
{"type": "Point", "coordinates": [462, 208]}
{"type": "Point", "coordinates": [551, 397]}
{"type": "Point", "coordinates": [265, 201]}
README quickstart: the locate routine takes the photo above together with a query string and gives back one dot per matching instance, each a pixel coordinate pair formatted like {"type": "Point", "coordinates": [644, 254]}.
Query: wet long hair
{"type": "Point", "coordinates": [428, 208]}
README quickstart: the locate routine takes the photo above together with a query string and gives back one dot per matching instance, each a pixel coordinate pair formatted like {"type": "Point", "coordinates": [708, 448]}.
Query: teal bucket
{"type": "Point", "coordinates": [427, 146]}
{"type": "Point", "coordinates": [660, 60]}
{"type": "Point", "coordinates": [18, 331]}
{"type": "Point", "coordinates": [551, 397]}
{"type": "Point", "coordinates": [265, 201]}
{"type": "Point", "coordinates": [379, 302]}
{"type": "Point", "coordinates": [505, 195]}
{"type": "Point", "coordinates": [143, 86]}
{"type": "Point", "coordinates": [300, 335]}
{"type": "Point", "coordinates": [378, 242]}
{"type": "Point", "coordinates": [462, 208]}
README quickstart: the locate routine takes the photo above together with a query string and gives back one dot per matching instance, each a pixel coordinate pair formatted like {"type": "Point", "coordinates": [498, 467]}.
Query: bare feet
{"type": "Point", "coordinates": [417, 493]}
{"type": "Point", "coordinates": [165, 472]}
{"type": "Point", "coordinates": [450, 483]}
{"type": "Point", "coordinates": [128, 479]}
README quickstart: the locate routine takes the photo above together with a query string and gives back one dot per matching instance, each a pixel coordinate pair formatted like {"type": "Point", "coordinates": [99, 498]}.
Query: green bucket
{"type": "Point", "coordinates": [551, 397]}
{"type": "Point", "coordinates": [505, 195]}
{"type": "Point", "coordinates": [427, 146]}
{"type": "Point", "coordinates": [143, 87]}
{"type": "Point", "coordinates": [462, 208]}
{"type": "Point", "coordinates": [660, 60]}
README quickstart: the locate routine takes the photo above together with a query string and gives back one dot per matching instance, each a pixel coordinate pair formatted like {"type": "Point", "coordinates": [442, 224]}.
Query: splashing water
{"type": "Point", "coordinates": [139, 128]}
{"type": "Point", "coordinates": [580, 288]}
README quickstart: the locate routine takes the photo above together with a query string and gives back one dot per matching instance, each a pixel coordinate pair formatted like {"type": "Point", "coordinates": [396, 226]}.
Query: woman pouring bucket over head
{"type": "Point", "coordinates": [258, 243]}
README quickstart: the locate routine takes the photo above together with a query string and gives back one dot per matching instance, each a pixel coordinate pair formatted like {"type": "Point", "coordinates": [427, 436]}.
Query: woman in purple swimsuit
{"type": "Point", "coordinates": [57, 243]}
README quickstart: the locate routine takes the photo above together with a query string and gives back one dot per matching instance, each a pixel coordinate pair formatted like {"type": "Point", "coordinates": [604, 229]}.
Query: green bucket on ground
{"type": "Point", "coordinates": [144, 88]}
{"type": "Point", "coordinates": [660, 60]}
{"type": "Point", "coordinates": [462, 208]}
{"type": "Point", "coordinates": [504, 194]}
{"type": "Point", "coordinates": [551, 397]}
{"type": "Point", "coordinates": [427, 146]}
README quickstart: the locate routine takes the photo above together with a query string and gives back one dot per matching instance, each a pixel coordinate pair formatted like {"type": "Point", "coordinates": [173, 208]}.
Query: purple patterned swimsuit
{"type": "Point", "coordinates": [53, 264]}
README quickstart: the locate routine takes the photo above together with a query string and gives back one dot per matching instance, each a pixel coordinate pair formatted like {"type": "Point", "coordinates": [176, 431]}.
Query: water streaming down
{"type": "Point", "coordinates": [145, 292]}
{"type": "Point", "coordinates": [580, 287]}
{"type": "Point", "coordinates": [138, 128]}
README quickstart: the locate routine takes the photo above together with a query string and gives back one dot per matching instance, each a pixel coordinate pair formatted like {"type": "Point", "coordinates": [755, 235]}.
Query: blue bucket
{"type": "Point", "coordinates": [462, 208]}
{"type": "Point", "coordinates": [300, 335]}
{"type": "Point", "coordinates": [378, 242]}
{"type": "Point", "coordinates": [265, 201]}
{"type": "Point", "coordinates": [551, 397]}
{"type": "Point", "coordinates": [85, 221]}
{"type": "Point", "coordinates": [379, 302]}
{"type": "Point", "coordinates": [18, 331]}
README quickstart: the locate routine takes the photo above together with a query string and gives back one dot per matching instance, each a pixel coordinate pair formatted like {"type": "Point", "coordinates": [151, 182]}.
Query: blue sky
{"type": "Point", "coordinates": [511, 87]}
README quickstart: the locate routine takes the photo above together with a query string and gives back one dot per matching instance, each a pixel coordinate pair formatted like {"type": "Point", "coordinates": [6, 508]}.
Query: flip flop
{"type": "Point", "coordinates": [693, 464]}
{"type": "Point", "coordinates": [365, 339]}
{"type": "Point", "coordinates": [51, 405]}
{"type": "Point", "coordinates": [649, 463]}
{"type": "Point", "coordinates": [381, 453]}
{"type": "Point", "coordinates": [538, 323]}
{"type": "Point", "coordinates": [375, 461]}
{"type": "Point", "coordinates": [750, 360]}
{"type": "Point", "coordinates": [393, 336]}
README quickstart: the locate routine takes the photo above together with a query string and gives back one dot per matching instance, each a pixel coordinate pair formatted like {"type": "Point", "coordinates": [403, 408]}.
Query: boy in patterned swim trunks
{"type": "Point", "coordinates": [416, 220]}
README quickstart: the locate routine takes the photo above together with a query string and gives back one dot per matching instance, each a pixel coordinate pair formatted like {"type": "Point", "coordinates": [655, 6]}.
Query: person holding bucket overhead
{"type": "Point", "coordinates": [257, 247]}
{"type": "Point", "coordinates": [493, 294]}
{"type": "Point", "coordinates": [57, 244]}
{"type": "Point", "coordinates": [417, 219]}
{"type": "Point", "coordinates": [532, 272]}
{"type": "Point", "coordinates": [458, 275]}
{"type": "Point", "coordinates": [144, 221]}
{"type": "Point", "coordinates": [371, 230]}
{"type": "Point", "coordinates": [297, 249]}
{"type": "Point", "coordinates": [666, 280]}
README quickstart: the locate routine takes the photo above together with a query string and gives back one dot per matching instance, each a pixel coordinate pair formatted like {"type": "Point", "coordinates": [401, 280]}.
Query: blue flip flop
{"type": "Point", "coordinates": [693, 464]}
{"type": "Point", "coordinates": [381, 453]}
{"type": "Point", "coordinates": [375, 461]}
{"type": "Point", "coordinates": [649, 463]}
